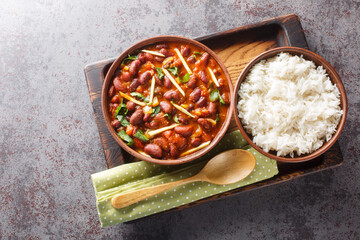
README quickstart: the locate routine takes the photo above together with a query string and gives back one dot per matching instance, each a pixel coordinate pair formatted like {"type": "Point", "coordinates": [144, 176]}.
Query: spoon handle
{"type": "Point", "coordinates": [126, 199]}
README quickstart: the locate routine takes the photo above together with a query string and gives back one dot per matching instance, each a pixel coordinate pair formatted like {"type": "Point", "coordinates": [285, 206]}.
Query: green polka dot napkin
{"type": "Point", "coordinates": [137, 175]}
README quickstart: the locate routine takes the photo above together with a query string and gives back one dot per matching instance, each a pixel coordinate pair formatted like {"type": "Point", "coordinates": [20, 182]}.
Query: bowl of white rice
{"type": "Point", "coordinates": [290, 104]}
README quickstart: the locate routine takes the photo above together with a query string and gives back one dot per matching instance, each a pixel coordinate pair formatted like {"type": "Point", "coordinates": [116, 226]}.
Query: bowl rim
{"type": "Point", "coordinates": [335, 79]}
{"type": "Point", "coordinates": [150, 41]}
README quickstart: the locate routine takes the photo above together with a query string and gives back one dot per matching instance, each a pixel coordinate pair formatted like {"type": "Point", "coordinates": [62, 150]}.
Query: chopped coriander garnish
{"type": "Point", "coordinates": [176, 119]}
{"type": "Point", "coordinates": [138, 95]}
{"type": "Point", "coordinates": [196, 53]}
{"type": "Point", "coordinates": [221, 100]}
{"type": "Point", "coordinates": [174, 70]}
{"type": "Point", "coordinates": [167, 116]}
{"type": "Point", "coordinates": [217, 119]}
{"type": "Point", "coordinates": [121, 109]}
{"type": "Point", "coordinates": [155, 111]}
{"type": "Point", "coordinates": [129, 58]}
{"type": "Point", "coordinates": [124, 122]}
{"type": "Point", "coordinates": [186, 78]}
{"type": "Point", "coordinates": [160, 73]}
{"type": "Point", "coordinates": [140, 135]}
{"type": "Point", "coordinates": [126, 138]}
{"type": "Point", "coordinates": [215, 95]}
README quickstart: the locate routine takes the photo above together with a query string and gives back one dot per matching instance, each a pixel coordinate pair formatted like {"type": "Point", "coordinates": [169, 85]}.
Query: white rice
{"type": "Point", "coordinates": [289, 105]}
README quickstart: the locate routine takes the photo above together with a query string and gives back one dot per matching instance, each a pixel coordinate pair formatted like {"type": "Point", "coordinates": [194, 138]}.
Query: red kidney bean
{"type": "Point", "coordinates": [144, 77]}
{"type": "Point", "coordinates": [166, 107]}
{"type": "Point", "coordinates": [191, 59]}
{"type": "Point", "coordinates": [138, 143]}
{"type": "Point", "coordinates": [137, 117]}
{"type": "Point", "coordinates": [195, 95]}
{"type": "Point", "coordinates": [154, 124]}
{"type": "Point", "coordinates": [207, 125]}
{"type": "Point", "coordinates": [134, 67]}
{"type": "Point", "coordinates": [118, 85]}
{"type": "Point", "coordinates": [172, 95]}
{"type": "Point", "coordinates": [204, 113]}
{"type": "Point", "coordinates": [130, 106]}
{"type": "Point", "coordinates": [142, 58]}
{"type": "Point", "coordinates": [212, 108]}
{"type": "Point", "coordinates": [149, 57]}
{"type": "Point", "coordinates": [183, 119]}
{"type": "Point", "coordinates": [111, 91]}
{"type": "Point", "coordinates": [226, 98]}
{"type": "Point", "coordinates": [185, 131]}
{"type": "Point", "coordinates": [192, 81]}
{"type": "Point", "coordinates": [146, 117]}
{"type": "Point", "coordinates": [190, 107]}
{"type": "Point", "coordinates": [115, 99]}
{"type": "Point", "coordinates": [174, 152]}
{"type": "Point", "coordinates": [203, 77]}
{"type": "Point", "coordinates": [158, 81]}
{"type": "Point", "coordinates": [180, 142]}
{"type": "Point", "coordinates": [185, 51]}
{"type": "Point", "coordinates": [165, 52]}
{"type": "Point", "coordinates": [125, 76]}
{"type": "Point", "coordinates": [162, 45]}
{"type": "Point", "coordinates": [205, 58]}
{"type": "Point", "coordinates": [163, 143]}
{"type": "Point", "coordinates": [201, 102]}
{"type": "Point", "coordinates": [153, 150]}
{"type": "Point", "coordinates": [134, 84]}
{"type": "Point", "coordinates": [167, 82]}
{"type": "Point", "coordinates": [115, 123]}
{"type": "Point", "coordinates": [159, 59]}
{"type": "Point", "coordinates": [195, 142]}
{"type": "Point", "coordinates": [167, 134]}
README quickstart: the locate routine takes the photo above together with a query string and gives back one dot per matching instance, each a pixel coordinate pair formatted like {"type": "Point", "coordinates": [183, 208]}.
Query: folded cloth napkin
{"type": "Point", "coordinates": [137, 175]}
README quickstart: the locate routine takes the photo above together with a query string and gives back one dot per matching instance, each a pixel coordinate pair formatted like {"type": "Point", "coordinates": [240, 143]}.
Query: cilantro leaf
{"type": "Point", "coordinates": [126, 138]}
{"type": "Point", "coordinates": [160, 73]}
{"type": "Point", "coordinates": [124, 122]}
{"type": "Point", "coordinates": [217, 118]}
{"type": "Point", "coordinates": [138, 95]}
{"type": "Point", "coordinates": [186, 78]}
{"type": "Point", "coordinates": [174, 70]}
{"type": "Point", "coordinates": [140, 135]}
{"type": "Point", "coordinates": [221, 100]}
{"type": "Point", "coordinates": [214, 95]}
{"type": "Point", "coordinates": [194, 55]}
{"type": "Point", "coordinates": [167, 116]}
{"type": "Point", "coordinates": [176, 119]}
{"type": "Point", "coordinates": [155, 111]}
{"type": "Point", "coordinates": [129, 58]}
{"type": "Point", "coordinates": [121, 109]}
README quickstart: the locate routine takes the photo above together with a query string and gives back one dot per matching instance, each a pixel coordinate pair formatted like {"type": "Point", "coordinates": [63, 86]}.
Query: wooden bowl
{"type": "Point", "coordinates": [335, 79]}
{"type": "Point", "coordinates": [105, 101]}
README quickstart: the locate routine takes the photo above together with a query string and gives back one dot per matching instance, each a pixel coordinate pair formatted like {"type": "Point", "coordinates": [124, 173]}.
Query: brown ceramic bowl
{"type": "Point", "coordinates": [334, 77]}
{"type": "Point", "coordinates": [105, 101]}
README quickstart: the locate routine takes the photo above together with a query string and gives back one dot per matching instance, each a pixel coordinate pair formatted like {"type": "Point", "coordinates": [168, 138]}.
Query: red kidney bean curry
{"type": "Point", "coordinates": [168, 100]}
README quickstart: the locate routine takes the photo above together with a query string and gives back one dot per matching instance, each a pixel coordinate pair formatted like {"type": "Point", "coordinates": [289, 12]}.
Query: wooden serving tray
{"type": "Point", "coordinates": [235, 47]}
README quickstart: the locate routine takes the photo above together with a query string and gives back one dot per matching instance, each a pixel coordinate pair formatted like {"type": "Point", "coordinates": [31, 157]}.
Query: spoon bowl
{"type": "Point", "coordinates": [228, 167]}
{"type": "Point", "coordinates": [225, 168]}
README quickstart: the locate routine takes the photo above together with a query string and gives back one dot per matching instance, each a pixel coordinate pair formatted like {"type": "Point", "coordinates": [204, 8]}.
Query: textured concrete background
{"type": "Point", "coordinates": [49, 143]}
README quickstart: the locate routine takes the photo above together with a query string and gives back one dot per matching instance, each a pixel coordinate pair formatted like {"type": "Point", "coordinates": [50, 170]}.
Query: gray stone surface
{"type": "Point", "coordinates": [49, 143]}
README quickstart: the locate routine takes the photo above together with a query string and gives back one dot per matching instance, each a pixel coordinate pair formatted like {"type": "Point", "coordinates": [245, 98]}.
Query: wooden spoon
{"type": "Point", "coordinates": [225, 168]}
